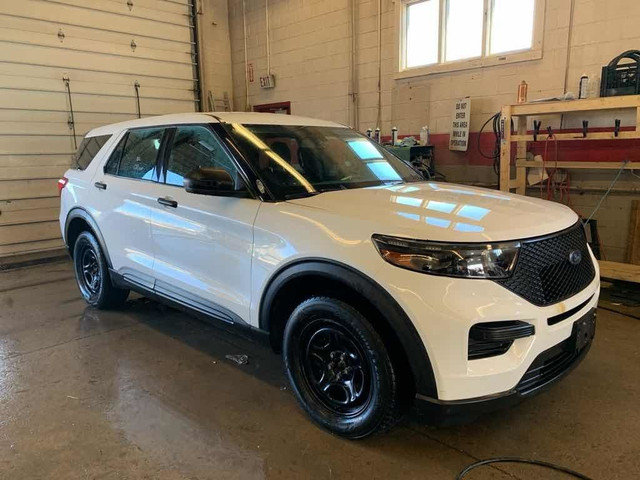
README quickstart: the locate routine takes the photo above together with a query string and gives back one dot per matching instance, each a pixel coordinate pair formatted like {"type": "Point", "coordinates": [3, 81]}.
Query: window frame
{"type": "Point", "coordinates": [485, 60]}
{"type": "Point", "coordinates": [169, 147]}
{"type": "Point", "coordinates": [165, 153]}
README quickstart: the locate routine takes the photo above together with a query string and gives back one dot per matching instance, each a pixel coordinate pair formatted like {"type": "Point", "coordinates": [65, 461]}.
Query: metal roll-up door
{"type": "Point", "coordinates": [104, 48]}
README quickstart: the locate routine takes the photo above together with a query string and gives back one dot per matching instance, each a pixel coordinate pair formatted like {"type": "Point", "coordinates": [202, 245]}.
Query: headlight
{"type": "Point", "coordinates": [473, 260]}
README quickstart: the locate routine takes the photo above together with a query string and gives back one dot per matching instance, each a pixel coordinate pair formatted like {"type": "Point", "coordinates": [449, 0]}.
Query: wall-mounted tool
{"type": "Point", "coordinates": [536, 129]}
{"type": "Point", "coordinates": [585, 128]}
{"type": "Point", "coordinates": [136, 85]}
{"type": "Point", "coordinates": [616, 128]}
{"type": "Point", "coordinates": [72, 121]}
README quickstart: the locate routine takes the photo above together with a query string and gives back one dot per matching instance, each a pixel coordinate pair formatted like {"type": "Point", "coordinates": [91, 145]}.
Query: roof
{"type": "Point", "coordinates": [213, 117]}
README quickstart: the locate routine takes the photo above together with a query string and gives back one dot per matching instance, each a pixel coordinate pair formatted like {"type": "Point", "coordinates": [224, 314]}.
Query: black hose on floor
{"type": "Point", "coordinates": [551, 466]}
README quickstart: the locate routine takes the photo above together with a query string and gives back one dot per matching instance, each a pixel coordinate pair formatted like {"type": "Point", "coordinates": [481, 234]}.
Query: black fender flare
{"type": "Point", "coordinates": [378, 296]}
{"type": "Point", "coordinates": [79, 212]}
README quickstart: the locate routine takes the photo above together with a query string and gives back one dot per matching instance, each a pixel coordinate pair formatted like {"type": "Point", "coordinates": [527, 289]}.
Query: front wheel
{"type": "Point", "coordinates": [339, 368]}
{"type": "Point", "coordinates": [92, 274]}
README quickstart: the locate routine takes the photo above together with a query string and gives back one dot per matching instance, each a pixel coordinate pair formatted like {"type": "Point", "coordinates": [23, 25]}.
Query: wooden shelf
{"type": "Point", "coordinates": [579, 165]}
{"type": "Point", "coordinates": [524, 110]}
{"type": "Point", "coordinates": [619, 271]}
{"type": "Point", "coordinates": [568, 106]}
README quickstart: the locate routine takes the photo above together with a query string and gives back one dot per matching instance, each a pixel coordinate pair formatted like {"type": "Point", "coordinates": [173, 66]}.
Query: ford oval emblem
{"type": "Point", "coordinates": [575, 257]}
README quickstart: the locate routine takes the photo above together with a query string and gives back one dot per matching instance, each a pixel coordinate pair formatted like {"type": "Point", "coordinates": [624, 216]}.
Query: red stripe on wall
{"type": "Point", "coordinates": [568, 150]}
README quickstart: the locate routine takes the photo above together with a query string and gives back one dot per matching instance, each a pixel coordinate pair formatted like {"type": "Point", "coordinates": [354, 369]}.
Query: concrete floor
{"type": "Point", "coordinates": [148, 393]}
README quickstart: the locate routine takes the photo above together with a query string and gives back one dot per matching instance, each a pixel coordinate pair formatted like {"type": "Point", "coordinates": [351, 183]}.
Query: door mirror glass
{"type": "Point", "coordinates": [212, 181]}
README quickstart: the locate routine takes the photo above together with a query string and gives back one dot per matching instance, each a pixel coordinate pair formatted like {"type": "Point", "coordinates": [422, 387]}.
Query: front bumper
{"type": "Point", "coordinates": [443, 310]}
{"type": "Point", "coordinates": [548, 368]}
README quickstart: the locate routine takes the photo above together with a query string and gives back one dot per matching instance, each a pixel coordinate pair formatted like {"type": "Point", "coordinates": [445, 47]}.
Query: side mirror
{"type": "Point", "coordinates": [211, 181]}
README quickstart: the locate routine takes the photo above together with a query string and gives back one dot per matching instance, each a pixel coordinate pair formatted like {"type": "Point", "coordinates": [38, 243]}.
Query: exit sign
{"type": "Point", "coordinates": [268, 81]}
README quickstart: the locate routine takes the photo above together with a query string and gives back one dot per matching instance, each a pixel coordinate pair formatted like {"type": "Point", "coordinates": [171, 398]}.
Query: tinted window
{"type": "Point", "coordinates": [88, 149]}
{"type": "Point", "coordinates": [194, 147]}
{"type": "Point", "coordinates": [140, 153]}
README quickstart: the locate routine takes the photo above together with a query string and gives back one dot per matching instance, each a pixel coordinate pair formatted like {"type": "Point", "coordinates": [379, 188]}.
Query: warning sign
{"type": "Point", "coordinates": [459, 139]}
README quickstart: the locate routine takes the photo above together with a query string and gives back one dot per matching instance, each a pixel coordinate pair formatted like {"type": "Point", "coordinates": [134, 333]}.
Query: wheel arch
{"type": "Point", "coordinates": [291, 284]}
{"type": "Point", "coordinates": [79, 220]}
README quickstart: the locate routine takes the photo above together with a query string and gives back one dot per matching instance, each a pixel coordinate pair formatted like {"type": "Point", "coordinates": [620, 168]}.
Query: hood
{"type": "Point", "coordinates": [445, 212]}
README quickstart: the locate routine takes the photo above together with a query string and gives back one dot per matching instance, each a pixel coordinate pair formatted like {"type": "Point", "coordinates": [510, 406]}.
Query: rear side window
{"type": "Point", "coordinates": [88, 149]}
{"type": "Point", "coordinates": [136, 154]}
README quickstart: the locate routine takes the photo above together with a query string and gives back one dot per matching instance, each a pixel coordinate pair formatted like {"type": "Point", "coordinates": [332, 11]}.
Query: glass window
{"type": "Point", "coordinates": [468, 29]}
{"type": "Point", "coordinates": [423, 20]}
{"type": "Point", "coordinates": [140, 153]}
{"type": "Point", "coordinates": [296, 160]}
{"type": "Point", "coordinates": [194, 147]}
{"type": "Point", "coordinates": [511, 25]}
{"type": "Point", "coordinates": [464, 29]}
{"type": "Point", "coordinates": [88, 149]}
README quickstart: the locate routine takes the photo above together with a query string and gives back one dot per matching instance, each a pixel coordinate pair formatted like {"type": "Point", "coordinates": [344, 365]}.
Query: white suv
{"type": "Point", "coordinates": [380, 289]}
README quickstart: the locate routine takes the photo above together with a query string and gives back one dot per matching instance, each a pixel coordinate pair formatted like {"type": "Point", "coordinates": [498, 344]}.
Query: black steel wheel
{"type": "Point", "coordinates": [335, 367]}
{"type": "Point", "coordinates": [91, 277]}
{"type": "Point", "coordinates": [92, 274]}
{"type": "Point", "coordinates": [339, 368]}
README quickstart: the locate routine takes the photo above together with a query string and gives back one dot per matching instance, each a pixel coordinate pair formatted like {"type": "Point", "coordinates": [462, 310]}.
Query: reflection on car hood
{"type": "Point", "coordinates": [445, 212]}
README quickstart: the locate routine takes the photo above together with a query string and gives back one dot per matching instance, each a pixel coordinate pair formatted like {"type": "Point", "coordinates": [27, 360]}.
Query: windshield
{"type": "Point", "coordinates": [304, 160]}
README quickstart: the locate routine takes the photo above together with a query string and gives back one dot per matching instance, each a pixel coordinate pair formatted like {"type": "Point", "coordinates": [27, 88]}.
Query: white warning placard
{"type": "Point", "coordinates": [459, 138]}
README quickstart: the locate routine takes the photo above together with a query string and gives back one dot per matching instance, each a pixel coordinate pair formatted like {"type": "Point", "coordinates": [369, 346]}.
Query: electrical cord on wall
{"type": "Point", "coordinates": [606, 194]}
{"type": "Point", "coordinates": [551, 466]}
{"type": "Point", "coordinates": [495, 155]}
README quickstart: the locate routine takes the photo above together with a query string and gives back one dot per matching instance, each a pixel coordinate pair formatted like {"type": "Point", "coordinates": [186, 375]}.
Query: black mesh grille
{"type": "Point", "coordinates": [544, 275]}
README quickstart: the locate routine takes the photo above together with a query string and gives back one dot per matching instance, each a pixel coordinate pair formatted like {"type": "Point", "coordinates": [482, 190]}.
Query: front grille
{"type": "Point", "coordinates": [543, 274]}
{"type": "Point", "coordinates": [548, 366]}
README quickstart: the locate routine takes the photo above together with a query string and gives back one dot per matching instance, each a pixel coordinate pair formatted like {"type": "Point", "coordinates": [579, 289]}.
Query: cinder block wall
{"type": "Point", "coordinates": [311, 47]}
{"type": "Point", "coordinates": [215, 45]}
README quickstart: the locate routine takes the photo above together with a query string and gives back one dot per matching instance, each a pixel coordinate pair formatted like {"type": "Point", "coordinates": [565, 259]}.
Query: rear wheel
{"type": "Point", "coordinates": [92, 274]}
{"type": "Point", "coordinates": [339, 368]}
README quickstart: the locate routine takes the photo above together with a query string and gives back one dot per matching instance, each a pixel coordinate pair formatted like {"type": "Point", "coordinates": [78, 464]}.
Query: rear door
{"type": "Point", "coordinates": [124, 191]}
{"type": "Point", "coordinates": [203, 244]}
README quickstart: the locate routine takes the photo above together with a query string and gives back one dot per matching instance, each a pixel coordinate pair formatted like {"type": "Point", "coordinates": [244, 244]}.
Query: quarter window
{"type": "Point", "coordinates": [441, 31]}
{"type": "Point", "coordinates": [193, 147]}
{"type": "Point", "coordinates": [88, 149]}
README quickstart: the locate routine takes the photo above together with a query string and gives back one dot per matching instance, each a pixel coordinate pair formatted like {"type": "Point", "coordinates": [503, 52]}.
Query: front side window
{"type": "Point", "coordinates": [193, 147]}
{"type": "Point", "coordinates": [441, 31]}
{"type": "Point", "coordinates": [136, 154]}
{"type": "Point", "coordinates": [87, 150]}
{"type": "Point", "coordinates": [295, 160]}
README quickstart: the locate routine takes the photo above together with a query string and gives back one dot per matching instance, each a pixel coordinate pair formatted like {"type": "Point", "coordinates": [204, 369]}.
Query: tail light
{"type": "Point", "coordinates": [61, 184]}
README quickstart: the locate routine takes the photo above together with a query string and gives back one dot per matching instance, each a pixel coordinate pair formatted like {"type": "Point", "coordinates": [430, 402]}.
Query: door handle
{"type": "Point", "coordinates": [100, 185]}
{"type": "Point", "coordinates": [168, 202]}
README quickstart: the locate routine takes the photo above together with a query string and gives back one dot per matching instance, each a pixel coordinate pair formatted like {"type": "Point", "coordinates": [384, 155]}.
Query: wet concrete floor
{"type": "Point", "coordinates": [146, 393]}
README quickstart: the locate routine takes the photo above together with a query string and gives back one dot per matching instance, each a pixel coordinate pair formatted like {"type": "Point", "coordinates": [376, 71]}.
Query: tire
{"type": "Point", "coordinates": [340, 370]}
{"type": "Point", "coordinates": [92, 274]}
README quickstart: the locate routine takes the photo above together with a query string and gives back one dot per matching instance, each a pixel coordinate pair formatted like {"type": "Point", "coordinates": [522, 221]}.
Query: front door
{"type": "Point", "coordinates": [203, 244]}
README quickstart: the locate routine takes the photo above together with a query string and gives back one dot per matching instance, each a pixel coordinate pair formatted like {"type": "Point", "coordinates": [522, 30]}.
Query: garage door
{"type": "Point", "coordinates": [106, 60]}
